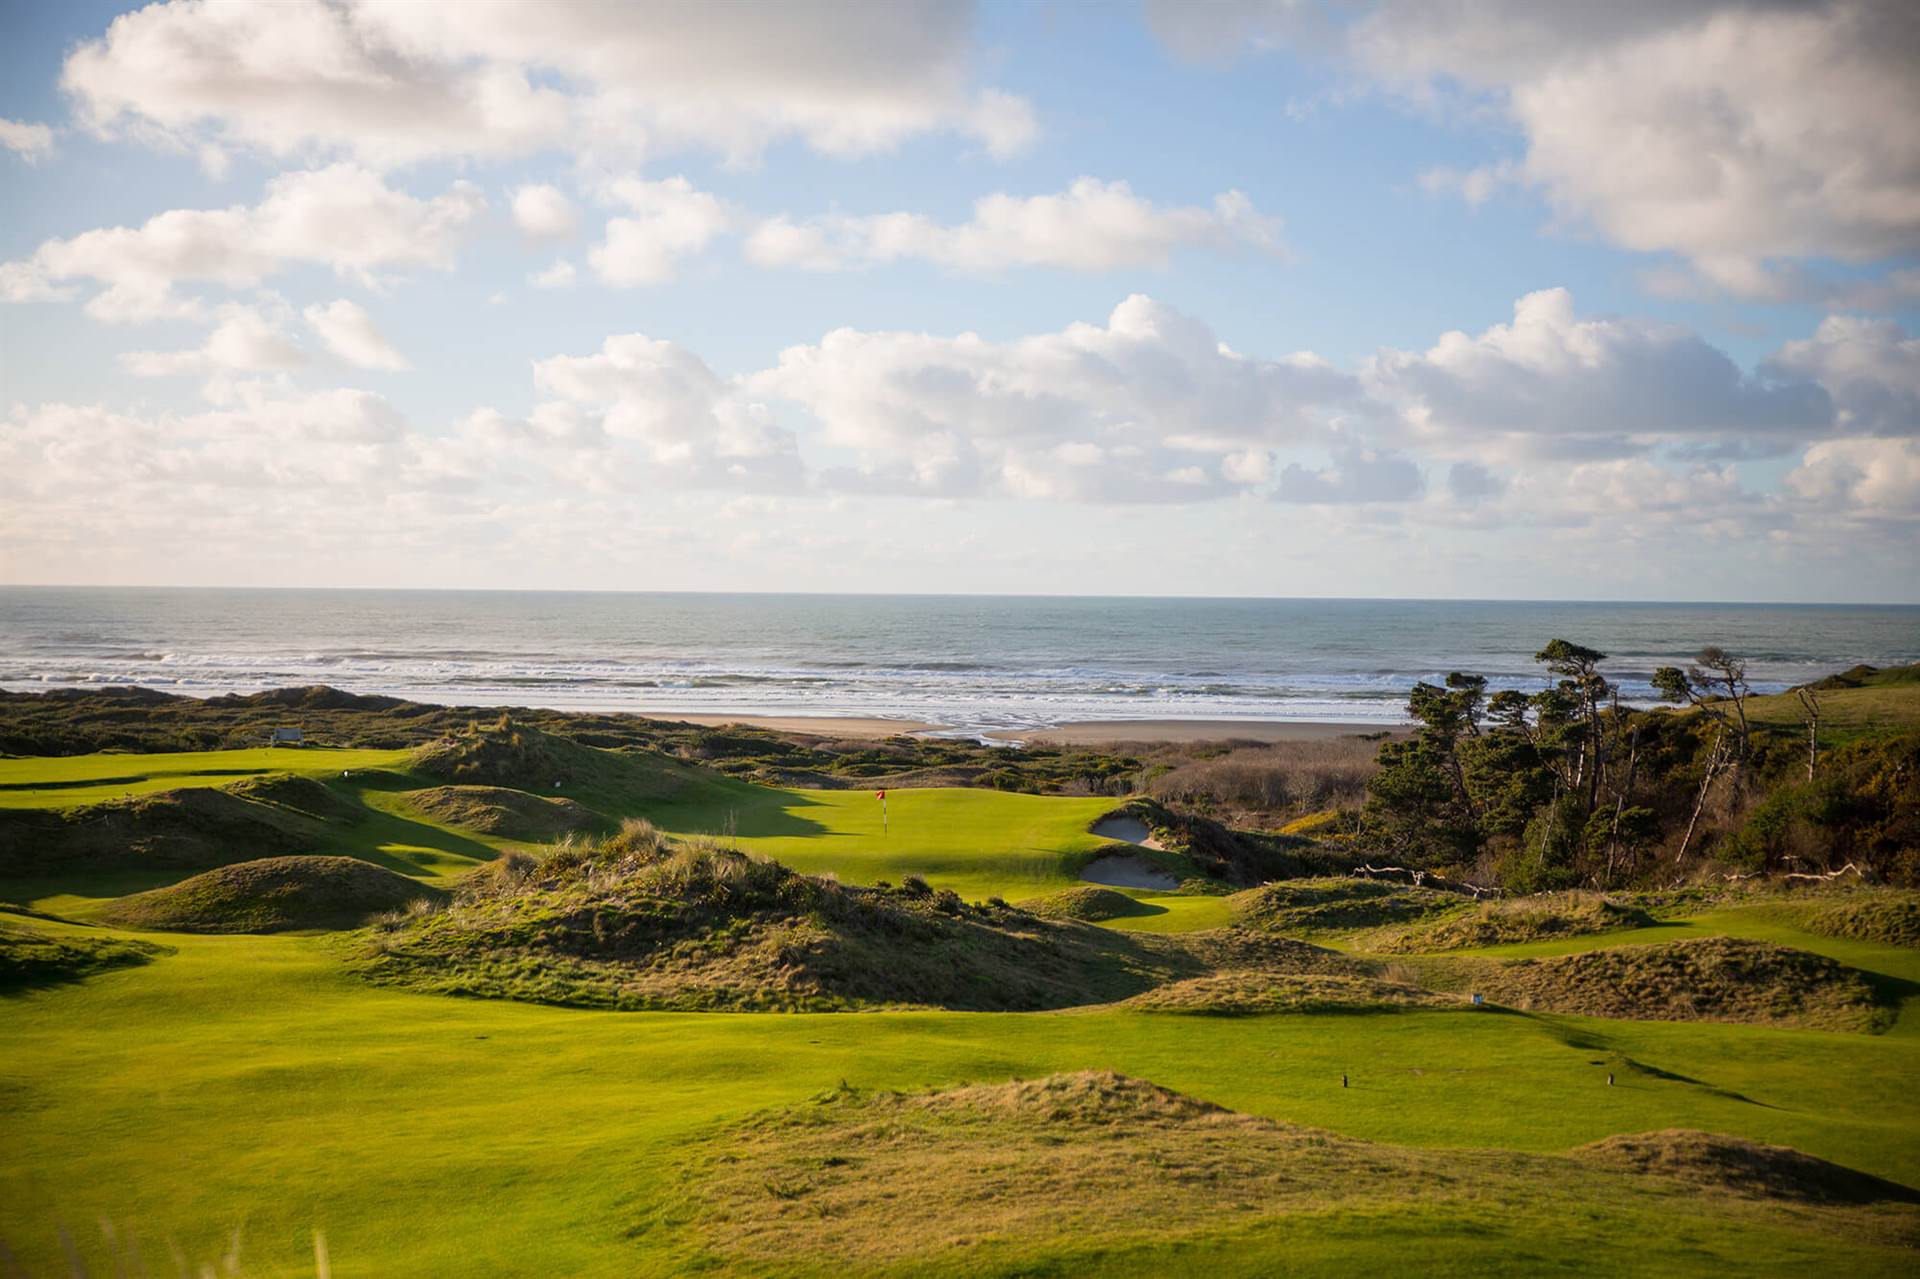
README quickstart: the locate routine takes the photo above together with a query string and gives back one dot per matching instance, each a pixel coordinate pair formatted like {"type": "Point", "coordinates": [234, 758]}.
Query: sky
{"type": "Point", "coordinates": [1403, 298]}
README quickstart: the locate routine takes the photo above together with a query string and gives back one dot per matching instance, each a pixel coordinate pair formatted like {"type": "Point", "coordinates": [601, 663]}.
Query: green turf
{"type": "Point", "coordinates": [64, 781]}
{"type": "Point", "coordinates": [250, 1083]}
{"type": "Point", "coordinates": [254, 1085]}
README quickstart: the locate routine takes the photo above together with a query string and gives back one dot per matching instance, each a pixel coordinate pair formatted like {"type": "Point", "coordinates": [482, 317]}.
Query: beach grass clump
{"type": "Point", "coordinates": [1505, 922]}
{"type": "Point", "coordinates": [272, 894]}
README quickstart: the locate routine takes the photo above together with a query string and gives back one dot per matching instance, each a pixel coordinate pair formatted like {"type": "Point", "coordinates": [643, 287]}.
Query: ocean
{"type": "Point", "coordinates": [971, 663]}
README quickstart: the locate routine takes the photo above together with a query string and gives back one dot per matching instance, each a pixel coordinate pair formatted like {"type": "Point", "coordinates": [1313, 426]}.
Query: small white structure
{"type": "Point", "coordinates": [286, 737]}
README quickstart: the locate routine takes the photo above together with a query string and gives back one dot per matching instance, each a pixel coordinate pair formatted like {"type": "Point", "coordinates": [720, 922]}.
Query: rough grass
{"type": "Point", "coordinates": [272, 895]}
{"type": "Point", "coordinates": [1888, 915]}
{"type": "Point", "coordinates": [640, 921]}
{"type": "Point", "coordinates": [1090, 905]}
{"type": "Point", "coordinates": [1726, 979]}
{"type": "Point", "coordinates": [1096, 1163]}
{"type": "Point", "coordinates": [1337, 905]}
{"type": "Point", "coordinates": [1522, 919]}
{"type": "Point", "coordinates": [1247, 992]}
{"type": "Point", "coordinates": [30, 957]}
{"type": "Point", "coordinates": [499, 810]}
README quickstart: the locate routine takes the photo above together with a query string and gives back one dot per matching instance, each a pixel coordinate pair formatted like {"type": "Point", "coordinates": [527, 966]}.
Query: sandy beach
{"type": "Point", "coordinates": [820, 725]}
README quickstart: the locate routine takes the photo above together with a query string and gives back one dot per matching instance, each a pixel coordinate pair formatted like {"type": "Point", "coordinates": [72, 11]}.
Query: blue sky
{"type": "Point", "coordinates": [1712, 394]}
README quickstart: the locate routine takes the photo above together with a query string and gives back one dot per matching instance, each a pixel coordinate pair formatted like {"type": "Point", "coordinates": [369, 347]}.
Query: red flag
{"type": "Point", "coordinates": [879, 794]}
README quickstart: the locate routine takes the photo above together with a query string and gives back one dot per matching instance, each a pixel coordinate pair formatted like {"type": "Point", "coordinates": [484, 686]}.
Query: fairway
{"type": "Point", "coordinates": [69, 780]}
{"type": "Point", "coordinates": [979, 843]}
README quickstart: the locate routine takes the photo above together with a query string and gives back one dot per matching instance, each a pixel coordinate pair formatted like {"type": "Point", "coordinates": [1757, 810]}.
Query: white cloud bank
{"type": "Point", "coordinates": [1412, 452]}
{"type": "Point", "coordinates": [393, 82]}
{"type": "Point", "coordinates": [32, 142]}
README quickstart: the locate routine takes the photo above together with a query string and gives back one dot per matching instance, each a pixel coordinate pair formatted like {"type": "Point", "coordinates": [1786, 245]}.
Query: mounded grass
{"type": "Point", "coordinates": [1089, 904]}
{"type": "Point", "coordinates": [1888, 915]}
{"type": "Point", "coordinates": [31, 956]}
{"type": "Point", "coordinates": [272, 895]}
{"type": "Point", "coordinates": [1337, 905]}
{"type": "Point", "coordinates": [1704, 979]}
{"type": "Point", "coordinates": [1501, 923]}
{"type": "Point", "coordinates": [510, 814]}
{"type": "Point", "coordinates": [1245, 992]}
{"type": "Point", "coordinates": [1099, 1164]}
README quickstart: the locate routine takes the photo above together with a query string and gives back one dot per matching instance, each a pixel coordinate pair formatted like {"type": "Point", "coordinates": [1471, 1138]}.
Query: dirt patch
{"type": "Point", "coordinates": [1707, 979]}
{"type": "Point", "coordinates": [1088, 904]}
{"type": "Point", "coordinates": [1124, 870]}
{"type": "Point", "coordinates": [1748, 1168]}
{"type": "Point", "coordinates": [499, 810]}
{"type": "Point", "coordinates": [1505, 922]}
{"type": "Point", "coordinates": [272, 894]}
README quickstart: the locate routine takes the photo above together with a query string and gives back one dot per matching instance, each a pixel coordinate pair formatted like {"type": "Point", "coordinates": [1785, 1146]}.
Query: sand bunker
{"type": "Point", "coordinates": [1124, 870]}
{"type": "Point", "coordinates": [1123, 829]}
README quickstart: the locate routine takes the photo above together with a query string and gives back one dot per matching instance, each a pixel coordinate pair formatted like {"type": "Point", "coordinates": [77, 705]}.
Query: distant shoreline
{"type": "Point", "coordinates": [1073, 733]}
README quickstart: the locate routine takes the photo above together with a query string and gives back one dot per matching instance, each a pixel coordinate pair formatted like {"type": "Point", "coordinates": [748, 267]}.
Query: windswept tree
{"type": "Point", "coordinates": [1715, 679]}
{"type": "Point", "coordinates": [1583, 695]}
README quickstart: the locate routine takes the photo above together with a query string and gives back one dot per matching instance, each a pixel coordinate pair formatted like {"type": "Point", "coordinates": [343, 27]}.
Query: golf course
{"type": "Point", "coordinates": [527, 1056]}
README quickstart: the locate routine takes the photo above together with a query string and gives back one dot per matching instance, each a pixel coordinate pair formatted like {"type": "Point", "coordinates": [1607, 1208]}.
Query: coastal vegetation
{"type": "Point", "coordinates": [1295, 1056]}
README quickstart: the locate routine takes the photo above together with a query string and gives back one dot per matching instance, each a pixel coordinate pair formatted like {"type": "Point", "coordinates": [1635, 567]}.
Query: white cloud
{"type": "Point", "coordinates": [393, 82]}
{"type": "Point", "coordinates": [1091, 226]}
{"type": "Point", "coordinates": [243, 341]}
{"type": "Point", "coordinates": [1871, 367]}
{"type": "Point", "coordinates": [671, 220]}
{"type": "Point", "coordinates": [31, 142]}
{"type": "Point", "coordinates": [341, 217]}
{"type": "Point", "coordinates": [1561, 382]}
{"type": "Point", "coordinates": [1355, 475]}
{"type": "Point", "coordinates": [1870, 477]}
{"type": "Point", "coordinates": [1740, 135]}
{"type": "Point", "coordinates": [543, 212]}
{"type": "Point", "coordinates": [558, 276]}
{"type": "Point", "coordinates": [688, 420]}
{"type": "Point", "coordinates": [349, 333]}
